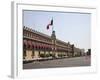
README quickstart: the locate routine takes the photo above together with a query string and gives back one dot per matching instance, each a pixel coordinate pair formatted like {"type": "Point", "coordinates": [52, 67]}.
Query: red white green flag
{"type": "Point", "coordinates": [50, 24]}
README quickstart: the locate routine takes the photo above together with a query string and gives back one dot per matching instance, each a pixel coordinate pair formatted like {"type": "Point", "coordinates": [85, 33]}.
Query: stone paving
{"type": "Point", "coordinates": [66, 62]}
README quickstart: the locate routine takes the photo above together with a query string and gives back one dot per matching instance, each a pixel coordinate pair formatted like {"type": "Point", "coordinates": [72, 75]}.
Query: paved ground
{"type": "Point", "coordinates": [67, 62]}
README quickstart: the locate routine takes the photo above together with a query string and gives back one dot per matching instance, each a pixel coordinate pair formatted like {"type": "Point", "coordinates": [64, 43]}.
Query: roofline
{"type": "Point", "coordinates": [42, 34]}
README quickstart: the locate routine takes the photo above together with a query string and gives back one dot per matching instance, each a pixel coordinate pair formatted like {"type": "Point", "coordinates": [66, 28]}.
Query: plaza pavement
{"type": "Point", "coordinates": [66, 62]}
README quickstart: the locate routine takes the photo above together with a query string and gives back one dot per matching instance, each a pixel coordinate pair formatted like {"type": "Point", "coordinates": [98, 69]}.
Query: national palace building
{"type": "Point", "coordinates": [37, 45]}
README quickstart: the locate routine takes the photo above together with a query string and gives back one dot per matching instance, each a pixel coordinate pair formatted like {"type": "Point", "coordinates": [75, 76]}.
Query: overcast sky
{"type": "Point", "coordinates": [69, 27]}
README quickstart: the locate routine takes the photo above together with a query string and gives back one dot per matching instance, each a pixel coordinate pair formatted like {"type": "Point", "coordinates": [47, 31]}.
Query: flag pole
{"type": "Point", "coordinates": [52, 26]}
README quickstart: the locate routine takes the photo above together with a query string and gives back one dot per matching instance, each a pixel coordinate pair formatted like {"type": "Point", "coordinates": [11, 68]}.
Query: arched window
{"type": "Point", "coordinates": [25, 44]}
{"type": "Point", "coordinates": [33, 45]}
{"type": "Point", "coordinates": [29, 44]}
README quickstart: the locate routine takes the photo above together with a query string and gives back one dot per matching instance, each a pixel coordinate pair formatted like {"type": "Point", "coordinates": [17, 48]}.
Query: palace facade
{"type": "Point", "coordinates": [37, 45]}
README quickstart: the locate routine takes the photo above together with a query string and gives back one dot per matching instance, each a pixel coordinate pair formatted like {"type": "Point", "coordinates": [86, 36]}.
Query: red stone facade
{"type": "Point", "coordinates": [36, 43]}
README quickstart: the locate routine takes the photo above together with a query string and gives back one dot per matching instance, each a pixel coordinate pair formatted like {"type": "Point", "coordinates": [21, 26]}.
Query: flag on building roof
{"type": "Point", "coordinates": [50, 24]}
